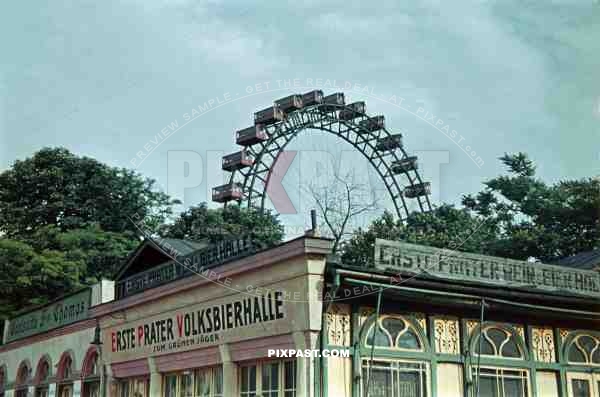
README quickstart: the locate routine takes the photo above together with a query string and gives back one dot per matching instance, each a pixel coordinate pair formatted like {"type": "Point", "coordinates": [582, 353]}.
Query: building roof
{"type": "Point", "coordinates": [183, 247]}
{"type": "Point", "coordinates": [588, 260]}
{"type": "Point", "coordinates": [163, 247]}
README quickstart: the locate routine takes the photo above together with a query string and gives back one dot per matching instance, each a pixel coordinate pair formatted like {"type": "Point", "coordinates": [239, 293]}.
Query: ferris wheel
{"type": "Point", "coordinates": [276, 126]}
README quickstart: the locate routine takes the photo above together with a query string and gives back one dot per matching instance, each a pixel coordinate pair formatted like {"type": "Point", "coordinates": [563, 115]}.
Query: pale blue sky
{"type": "Point", "coordinates": [103, 78]}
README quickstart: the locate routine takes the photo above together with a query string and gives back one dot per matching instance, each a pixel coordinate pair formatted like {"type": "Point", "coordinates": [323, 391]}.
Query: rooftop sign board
{"type": "Point", "coordinates": [69, 310]}
{"type": "Point", "coordinates": [192, 264]}
{"type": "Point", "coordinates": [405, 258]}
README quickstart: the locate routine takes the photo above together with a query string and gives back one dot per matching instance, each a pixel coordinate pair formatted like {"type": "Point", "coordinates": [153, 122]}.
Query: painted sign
{"type": "Point", "coordinates": [198, 326]}
{"type": "Point", "coordinates": [66, 311]}
{"type": "Point", "coordinates": [415, 259]}
{"type": "Point", "coordinates": [195, 263]}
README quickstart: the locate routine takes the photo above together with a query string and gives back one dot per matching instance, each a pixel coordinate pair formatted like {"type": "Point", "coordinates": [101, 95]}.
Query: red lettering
{"type": "Point", "coordinates": [140, 335]}
{"type": "Point", "coordinates": [113, 337]}
{"type": "Point", "coordinates": [180, 324]}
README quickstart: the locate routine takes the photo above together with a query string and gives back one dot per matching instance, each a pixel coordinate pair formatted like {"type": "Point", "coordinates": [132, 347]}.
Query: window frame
{"type": "Point", "coordinates": [420, 356]}
{"type": "Point", "coordinates": [193, 372]}
{"type": "Point", "coordinates": [498, 362]}
{"type": "Point", "coordinates": [282, 390]}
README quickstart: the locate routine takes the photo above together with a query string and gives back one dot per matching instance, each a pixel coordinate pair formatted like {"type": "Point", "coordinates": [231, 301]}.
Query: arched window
{"type": "Point", "coordinates": [65, 375]}
{"type": "Point", "coordinates": [498, 342]}
{"type": "Point", "coordinates": [501, 369]}
{"type": "Point", "coordinates": [395, 333]}
{"type": "Point", "coordinates": [43, 371]}
{"type": "Point", "coordinates": [584, 349]}
{"type": "Point", "coordinates": [400, 365]}
{"type": "Point", "coordinates": [23, 374]}
{"type": "Point", "coordinates": [42, 376]}
{"type": "Point", "coordinates": [22, 381]}
{"type": "Point", "coordinates": [65, 367]}
{"type": "Point", "coordinates": [2, 380]}
{"type": "Point", "coordinates": [90, 374]}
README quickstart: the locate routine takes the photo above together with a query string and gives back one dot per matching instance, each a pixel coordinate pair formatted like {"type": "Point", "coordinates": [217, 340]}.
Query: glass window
{"type": "Point", "coordinates": [91, 389]}
{"type": "Point", "coordinates": [394, 378]}
{"type": "Point", "coordinates": [499, 382]}
{"type": "Point", "coordinates": [44, 372]}
{"type": "Point", "coordinates": [41, 392]}
{"type": "Point", "coordinates": [581, 387]}
{"type": "Point", "coordinates": [289, 379]}
{"type": "Point", "coordinates": [170, 385]}
{"type": "Point", "coordinates": [94, 369]}
{"type": "Point", "coordinates": [209, 382]}
{"type": "Point", "coordinates": [123, 389]}
{"type": "Point", "coordinates": [68, 368]}
{"type": "Point", "coordinates": [248, 383]}
{"type": "Point", "coordinates": [186, 388]}
{"type": "Point", "coordinates": [393, 332]}
{"type": "Point", "coordinates": [584, 349]}
{"type": "Point", "coordinates": [497, 342]}
{"type": "Point", "coordinates": [270, 379]}
{"type": "Point", "coordinates": [65, 391]}
{"type": "Point", "coordinates": [23, 375]}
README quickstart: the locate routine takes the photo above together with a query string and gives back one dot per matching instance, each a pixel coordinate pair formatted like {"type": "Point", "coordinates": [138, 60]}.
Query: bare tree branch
{"type": "Point", "coordinates": [340, 202]}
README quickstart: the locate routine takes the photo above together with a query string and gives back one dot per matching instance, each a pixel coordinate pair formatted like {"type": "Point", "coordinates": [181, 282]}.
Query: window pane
{"type": "Point", "coordinates": [575, 355]}
{"type": "Point", "coordinates": [270, 379]}
{"type": "Point", "coordinates": [380, 383]}
{"type": "Point", "coordinates": [202, 383]}
{"type": "Point", "coordinates": [596, 356]}
{"type": "Point", "coordinates": [187, 382]}
{"type": "Point", "coordinates": [170, 385]}
{"type": "Point", "coordinates": [394, 326]}
{"type": "Point", "coordinates": [587, 342]}
{"type": "Point", "coordinates": [218, 381]}
{"type": "Point", "coordinates": [381, 338]}
{"type": "Point", "coordinates": [515, 387]}
{"type": "Point", "coordinates": [409, 340]}
{"type": "Point", "coordinates": [487, 387]}
{"type": "Point", "coordinates": [486, 347]}
{"type": "Point", "coordinates": [510, 349]}
{"type": "Point", "coordinates": [409, 384]}
{"type": "Point", "coordinates": [248, 381]}
{"type": "Point", "coordinates": [496, 335]}
{"type": "Point", "coordinates": [289, 378]}
{"type": "Point", "coordinates": [581, 388]}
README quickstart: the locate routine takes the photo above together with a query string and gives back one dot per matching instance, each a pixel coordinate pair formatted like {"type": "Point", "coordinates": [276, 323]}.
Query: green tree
{"type": "Point", "coordinates": [56, 187]}
{"type": "Point", "coordinates": [66, 221]}
{"type": "Point", "coordinates": [444, 227]}
{"type": "Point", "coordinates": [516, 216]}
{"type": "Point", "coordinates": [202, 223]}
{"type": "Point", "coordinates": [100, 253]}
{"type": "Point", "coordinates": [30, 278]}
{"type": "Point", "coordinates": [545, 221]}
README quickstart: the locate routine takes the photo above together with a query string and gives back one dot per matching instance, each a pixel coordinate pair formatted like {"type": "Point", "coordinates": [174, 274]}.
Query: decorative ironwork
{"type": "Point", "coordinates": [363, 314]}
{"type": "Point", "coordinates": [447, 339]}
{"type": "Point", "coordinates": [338, 325]}
{"type": "Point", "coordinates": [276, 126]}
{"type": "Point", "coordinates": [421, 319]}
{"type": "Point", "coordinates": [542, 341]}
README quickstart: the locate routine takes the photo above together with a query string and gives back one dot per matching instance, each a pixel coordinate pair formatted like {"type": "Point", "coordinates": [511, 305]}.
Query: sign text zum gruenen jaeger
{"type": "Point", "coordinates": [201, 326]}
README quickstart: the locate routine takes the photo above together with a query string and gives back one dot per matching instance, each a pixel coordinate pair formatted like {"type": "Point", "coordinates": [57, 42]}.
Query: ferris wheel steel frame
{"type": "Point", "coordinates": [325, 117]}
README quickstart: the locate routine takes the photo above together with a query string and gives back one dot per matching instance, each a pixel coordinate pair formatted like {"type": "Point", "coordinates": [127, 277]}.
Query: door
{"type": "Point", "coordinates": [583, 385]}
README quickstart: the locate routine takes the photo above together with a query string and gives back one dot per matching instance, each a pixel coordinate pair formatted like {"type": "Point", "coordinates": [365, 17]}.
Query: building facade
{"type": "Point", "coordinates": [47, 351]}
{"type": "Point", "coordinates": [427, 322]}
{"type": "Point", "coordinates": [191, 320]}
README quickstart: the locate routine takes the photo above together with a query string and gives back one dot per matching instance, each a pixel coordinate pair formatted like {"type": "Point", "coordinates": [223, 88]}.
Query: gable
{"type": "Point", "coordinates": [154, 252]}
